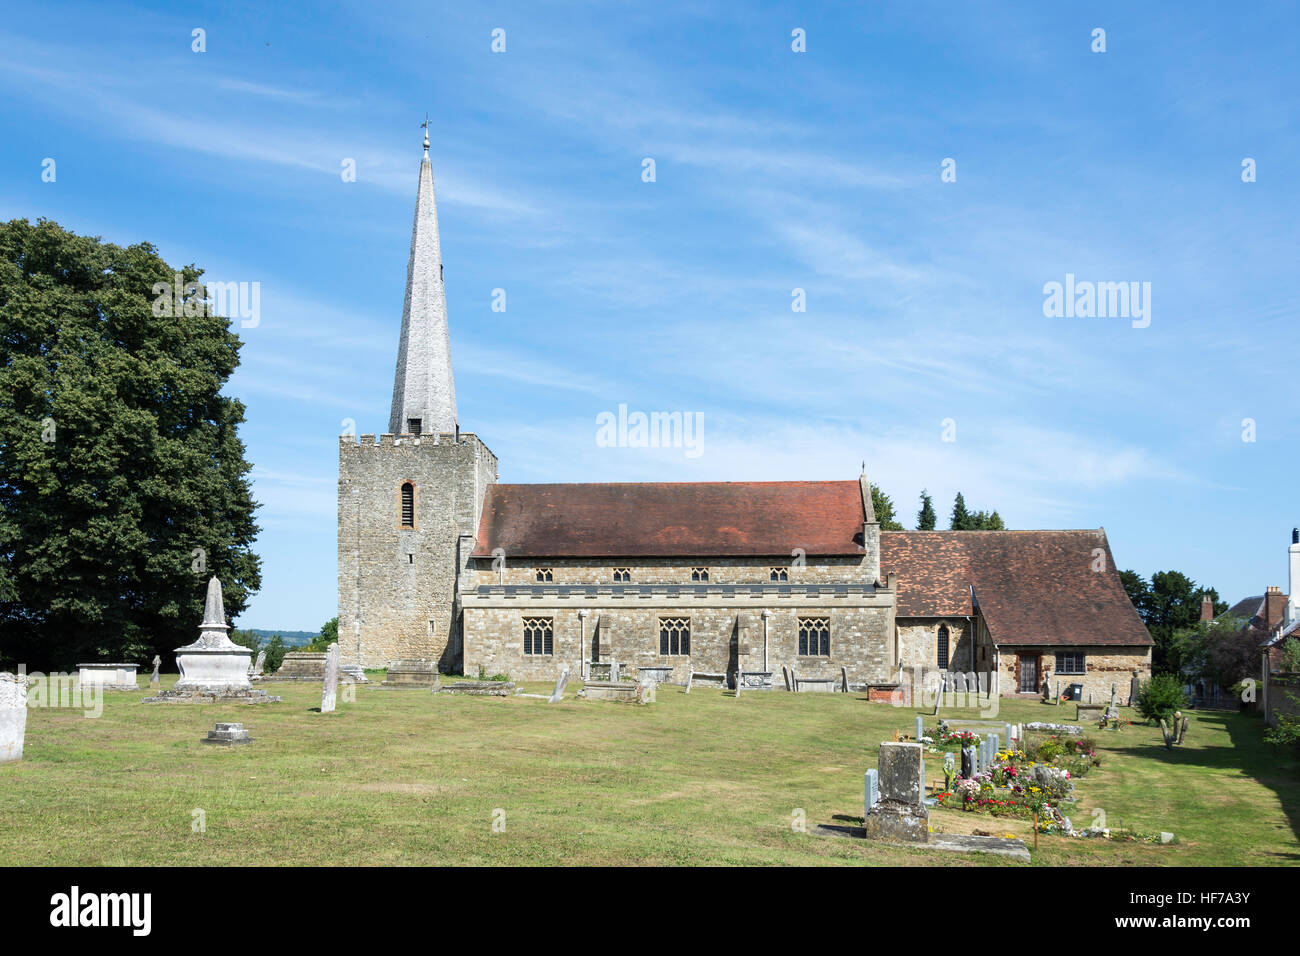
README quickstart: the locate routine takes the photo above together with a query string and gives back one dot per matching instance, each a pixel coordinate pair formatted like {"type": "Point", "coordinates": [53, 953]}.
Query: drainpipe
{"type": "Point", "coordinates": [582, 643]}
{"type": "Point", "coordinates": [766, 615]}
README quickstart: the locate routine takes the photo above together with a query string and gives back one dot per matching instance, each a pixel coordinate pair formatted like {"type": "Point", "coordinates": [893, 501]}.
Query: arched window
{"type": "Point", "coordinates": [943, 646]}
{"type": "Point", "coordinates": [408, 505]}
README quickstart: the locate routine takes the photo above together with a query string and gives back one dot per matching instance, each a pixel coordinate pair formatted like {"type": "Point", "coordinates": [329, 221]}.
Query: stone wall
{"type": "Point", "coordinates": [397, 585]}
{"type": "Point", "coordinates": [918, 642]}
{"type": "Point", "coordinates": [1105, 664]}
{"type": "Point", "coordinates": [729, 570]}
{"type": "Point", "coordinates": [861, 639]}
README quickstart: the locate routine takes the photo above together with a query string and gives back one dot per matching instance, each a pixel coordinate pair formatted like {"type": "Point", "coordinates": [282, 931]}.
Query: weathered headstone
{"type": "Point", "coordinates": [920, 727]}
{"type": "Point", "coordinates": [871, 790]}
{"type": "Point", "coordinates": [785, 675]}
{"type": "Point", "coordinates": [154, 678]}
{"type": "Point", "coordinates": [960, 682]}
{"type": "Point", "coordinates": [561, 682]}
{"type": "Point", "coordinates": [1010, 746]}
{"type": "Point", "coordinates": [844, 679]}
{"type": "Point", "coordinates": [972, 685]}
{"type": "Point", "coordinates": [983, 679]}
{"type": "Point", "coordinates": [900, 813]}
{"type": "Point", "coordinates": [1134, 688]}
{"type": "Point", "coordinates": [330, 688]}
{"type": "Point", "coordinates": [259, 665]}
{"type": "Point", "coordinates": [13, 715]}
{"type": "Point", "coordinates": [1183, 731]}
{"type": "Point", "coordinates": [690, 679]}
{"type": "Point", "coordinates": [967, 761]}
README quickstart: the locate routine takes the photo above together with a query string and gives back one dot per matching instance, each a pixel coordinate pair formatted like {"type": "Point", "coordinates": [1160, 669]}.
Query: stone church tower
{"type": "Point", "coordinates": [409, 503]}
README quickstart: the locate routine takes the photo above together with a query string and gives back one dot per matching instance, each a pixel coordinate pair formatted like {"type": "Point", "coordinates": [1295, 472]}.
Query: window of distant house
{"type": "Point", "coordinates": [674, 635]}
{"type": "Point", "coordinates": [1071, 662]}
{"type": "Point", "coordinates": [622, 575]}
{"type": "Point", "coordinates": [544, 576]}
{"type": "Point", "coordinates": [408, 505]}
{"type": "Point", "coordinates": [814, 637]}
{"type": "Point", "coordinates": [778, 574]}
{"type": "Point", "coordinates": [943, 646]}
{"type": "Point", "coordinates": [539, 635]}
{"type": "Point", "coordinates": [699, 575]}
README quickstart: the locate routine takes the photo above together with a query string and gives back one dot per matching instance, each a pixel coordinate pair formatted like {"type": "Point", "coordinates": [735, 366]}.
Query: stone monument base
{"type": "Point", "coordinates": [624, 691]}
{"type": "Point", "coordinates": [898, 822]}
{"type": "Point", "coordinates": [300, 665]}
{"type": "Point", "coordinates": [227, 735]}
{"type": "Point", "coordinates": [354, 673]}
{"type": "Point", "coordinates": [415, 674]}
{"type": "Point", "coordinates": [478, 688]}
{"type": "Point", "coordinates": [236, 696]}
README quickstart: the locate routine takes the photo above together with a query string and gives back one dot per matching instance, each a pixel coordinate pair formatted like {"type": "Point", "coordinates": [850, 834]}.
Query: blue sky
{"type": "Point", "coordinates": [775, 170]}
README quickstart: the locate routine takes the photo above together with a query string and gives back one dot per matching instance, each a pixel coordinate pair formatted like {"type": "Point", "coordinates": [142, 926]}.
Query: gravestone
{"type": "Point", "coordinates": [967, 761]}
{"type": "Point", "coordinates": [1008, 730]}
{"type": "Point", "coordinates": [949, 771]}
{"type": "Point", "coordinates": [330, 688]}
{"type": "Point", "coordinates": [154, 678]}
{"type": "Point", "coordinates": [938, 699]}
{"type": "Point", "coordinates": [983, 679]}
{"type": "Point", "coordinates": [300, 665]}
{"type": "Point", "coordinates": [960, 682]}
{"type": "Point", "coordinates": [972, 685]}
{"type": "Point", "coordinates": [108, 676]}
{"type": "Point", "coordinates": [738, 683]}
{"type": "Point", "coordinates": [920, 728]}
{"type": "Point", "coordinates": [258, 665]}
{"type": "Point", "coordinates": [13, 715]}
{"type": "Point", "coordinates": [690, 679]}
{"type": "Point", "coordinates": [993, 748]}
{"type": "Point", "coordinates": [871, 790]}
{"type": "Point", "coordinates": [900, 814]}
{"type": "Point", "coordinates": [613, 670]}
{"type": "Point", "coordinates": [1183, 732]}
{"type": "Point", "coordinates": [561, 682]}
{"type": "Point", "coordinates": [844, 679]}
{"type": "Point", "coordinates": [228, 735]}
{"type": "Point", "coordinates": [1134, 688]}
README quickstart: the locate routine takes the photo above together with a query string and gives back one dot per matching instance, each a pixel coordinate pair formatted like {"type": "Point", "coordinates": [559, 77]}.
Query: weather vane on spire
{"type": "Point", "coordinates": [425, 126]}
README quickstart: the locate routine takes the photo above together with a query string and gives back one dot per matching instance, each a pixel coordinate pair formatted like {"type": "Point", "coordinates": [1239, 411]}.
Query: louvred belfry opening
{"type": "Point", "coordinates": [408, 505]}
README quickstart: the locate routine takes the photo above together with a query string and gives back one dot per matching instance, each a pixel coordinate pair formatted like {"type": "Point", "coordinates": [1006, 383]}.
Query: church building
{"type": "Point", "coordinates": [438, 560]}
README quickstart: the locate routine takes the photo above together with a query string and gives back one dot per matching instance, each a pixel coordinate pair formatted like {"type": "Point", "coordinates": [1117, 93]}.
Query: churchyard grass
{"type": "Point", "coordinates": [406, 777]}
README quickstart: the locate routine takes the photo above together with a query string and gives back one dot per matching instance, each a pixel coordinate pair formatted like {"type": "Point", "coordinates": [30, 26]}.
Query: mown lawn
{"type": "Point", "coordinates": [406, 777]}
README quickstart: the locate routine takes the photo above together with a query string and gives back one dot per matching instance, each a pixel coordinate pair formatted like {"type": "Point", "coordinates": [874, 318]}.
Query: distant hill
{"type": "Point", "coordinates": [290, 638]}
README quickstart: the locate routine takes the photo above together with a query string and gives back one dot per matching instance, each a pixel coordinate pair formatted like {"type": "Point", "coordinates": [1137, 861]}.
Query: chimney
{"type": "Point", "coordinates": [1207, 608]}
{"type": "Point", "coordinates": [1293, 582]}
{"type": "Point", "coordinates": [1274, 609]}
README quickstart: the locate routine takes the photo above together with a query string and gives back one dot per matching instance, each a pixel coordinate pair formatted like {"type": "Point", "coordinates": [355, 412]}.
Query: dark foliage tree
{"type": "Point", "coordinates": [926, 518]}
{"type": "Point", "coordinates": [123, 484]}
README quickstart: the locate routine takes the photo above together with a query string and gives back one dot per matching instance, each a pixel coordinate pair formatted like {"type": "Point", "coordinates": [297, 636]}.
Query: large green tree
{"type": "Point", "coordinates": [1170, 602]}
{"type": "Point", "coordinates": [926, 518]}
{"type": "Point", "coordinates": [123, 484]}
{"type": "Point", "coordinates": [884, 508]}
{"type": "Point", "coordinates": [965, 520]}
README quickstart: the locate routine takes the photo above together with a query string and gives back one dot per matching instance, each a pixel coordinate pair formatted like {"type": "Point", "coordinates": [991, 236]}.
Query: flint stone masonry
{"type": "Point", "coordinates": [13, 715]}
{"type": "Point", "coordinates": [228, 735]}
{"type": "Point", "coordinates": [413, 675]}
{"type": "Point", "coordinates": [900, 815]}
{"type": "Point", "coordinates": [109, 676]}
{"type": "Point", "coordinates": [301, 665]}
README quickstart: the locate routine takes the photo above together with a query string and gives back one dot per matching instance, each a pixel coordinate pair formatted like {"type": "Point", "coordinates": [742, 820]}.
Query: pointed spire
{"type": "Point", "coordinates": [424, 393]}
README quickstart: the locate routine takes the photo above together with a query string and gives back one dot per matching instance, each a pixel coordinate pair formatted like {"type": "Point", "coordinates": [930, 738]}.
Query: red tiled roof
{"type": "Point", "coordinates": [1033, 587]}
{"type": "Point", "coordinates": [672, 519]}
